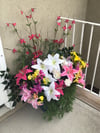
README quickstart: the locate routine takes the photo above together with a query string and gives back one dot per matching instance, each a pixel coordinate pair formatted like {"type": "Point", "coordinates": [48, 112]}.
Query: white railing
{"type": "Point", "coordinates": [92, 25]}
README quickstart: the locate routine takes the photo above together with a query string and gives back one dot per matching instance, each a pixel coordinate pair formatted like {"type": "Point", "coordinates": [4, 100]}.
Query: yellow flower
{"type": "Point", "coordinates": [41, 98]}
{"type": "Point", "coordinates": [45, 81]}
{"type": "Point", "coordinates": [29, 77]}
{"type": "Point", "coordinates": [77, 58]}
{"type": "Point", "coordinates": [83, 64]}
{"type": "Point", "coordinates": [36, 73]}
{"type": "Point", "coordinates": [74, 53]}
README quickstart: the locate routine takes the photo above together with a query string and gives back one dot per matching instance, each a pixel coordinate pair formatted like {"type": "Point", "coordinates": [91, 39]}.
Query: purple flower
{"type": "Point", "coordinates": [37, 88]}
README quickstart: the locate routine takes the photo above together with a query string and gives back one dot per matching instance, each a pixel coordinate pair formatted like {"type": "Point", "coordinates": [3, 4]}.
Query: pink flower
{"type": "Point", "coordinates": [64, 28]}
{"type": "Point", "coordinates": [31, 37]}
{"type": "Point", "coordinates": [67, 20]}
{"type": "Point", "coordinates": [22, 41]}
{"type": "Point", "coordinates": [81, 79]}
{"type": "Point", "coordinates": [7, 24]}
{"type": "Point", "coordinates": [34, 103]}
{"type": "Point", "coordinates": [69, 72]}
{"type": "Point", "coordinates": [26, 94]}
{"type": "Point", "coordinates": [14, 50]}
{"type": "Point", "coordinates": [27, 52]}
{"type": "Point", "coordinates": [73, 22]}
{"type": "Point", "coordinates": [22, 74]}
{"type": "Point", "coordinates": [59, 87]}
{"type": "Point", "coordinates": [14, 24]}
{"type": "Point", "coordinates": [21, 12]}
{"type": "Point", "coordinates": [32, 9]}
{"type": "Point", "coordinates": [69, 27]}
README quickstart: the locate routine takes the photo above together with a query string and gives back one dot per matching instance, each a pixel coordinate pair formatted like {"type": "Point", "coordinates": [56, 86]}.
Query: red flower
{"type": "Point", "coordinates": [30, 16]}
{"type": "Point", "coordinates": [69, 27]}
{"type": "Point", "coordinates": [27, 52]}
{"type": "Point", "coordinates": [7, 24]}
{"type": "Point", "coordinates": [46, 39]}
{"type": "Point", "coordinates": [59, 23]}
{"type": "Point", "coordinates": [32, 9]}
{"type": "Point", "coordinates": [64, 28]}
{"type": "Point", "coordinates": [21, 12]}
{"type": "Point", "coordinates": [31, 37]}
{"type": "Point", "coordinates": [73, 45]}
{"type": "Point", "coordinates": [55, 41]}
{"type": "Point", "coordinates": [73, 22]}
{"type": "Point", "coordinates": [37, 37]}
{"type": "Point", "coordinates": [34, 47]}
{"type": "Point", "coordinates": [14, 24]}
{"type": "Point", "coordinates": [61, 41]}
{"type": "Point", "coordinates": [58, 17]}
{"type": "Point", "coordinates": [67, 20]}
{"type": "Point", "coordinates": [37, 54]}
{"type": "Point", "coordinates": [22, 41]}
{"type": "Point", "coordinates": [14, 50]}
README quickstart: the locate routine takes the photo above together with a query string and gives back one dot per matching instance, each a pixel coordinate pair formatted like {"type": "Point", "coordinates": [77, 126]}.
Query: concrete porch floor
{"type": "Point", "coordinates": [83, 119]}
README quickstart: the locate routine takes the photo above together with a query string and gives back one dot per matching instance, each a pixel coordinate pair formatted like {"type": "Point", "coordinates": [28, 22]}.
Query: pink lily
{"type": "Point", "coordinates": [59, 87]}
{"type": "Point", "coordinates": [26, 94]}
{"type": "Point", "coordinates": [69, 72]}
{"type": "Point", "coordinates": [22, 74]}
{"type": "Point", "coordinates": [81, 79]}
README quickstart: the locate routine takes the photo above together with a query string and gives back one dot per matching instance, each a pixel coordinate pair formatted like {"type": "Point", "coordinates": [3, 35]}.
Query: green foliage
{"type": "Point", "coordinates": [10, 83]}
{"type": "Point", "coordinates": [58, 108]}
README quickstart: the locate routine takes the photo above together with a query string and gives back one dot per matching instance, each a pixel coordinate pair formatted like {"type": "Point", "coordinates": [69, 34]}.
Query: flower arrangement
{"type": "Point", "coordinates": [45, 79]}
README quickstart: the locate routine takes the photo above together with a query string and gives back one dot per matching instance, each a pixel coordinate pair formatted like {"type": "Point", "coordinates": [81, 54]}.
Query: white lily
{"type": "Point", "coordinates": [56, 74]}
{"type": "Point", "coordinates": [53, 62]}
{"type": "Point", "coordinates": [40, 66]}
{"type": "Point", "coordinates": [50, 92]}
{"type": "Point", "coordinates": [51, 79]}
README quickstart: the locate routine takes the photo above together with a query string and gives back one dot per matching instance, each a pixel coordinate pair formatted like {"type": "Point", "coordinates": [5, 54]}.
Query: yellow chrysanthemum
{"type": "Point", "coordinates": [45, 81]}
{"type": "Point", "coordinates": [29, 77]}
{"type": "Point", "coordinates": [36, 73]}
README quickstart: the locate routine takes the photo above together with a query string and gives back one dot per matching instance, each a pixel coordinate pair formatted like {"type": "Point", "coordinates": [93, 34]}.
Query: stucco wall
{"type": "Point", "coordinates": [46, 13]}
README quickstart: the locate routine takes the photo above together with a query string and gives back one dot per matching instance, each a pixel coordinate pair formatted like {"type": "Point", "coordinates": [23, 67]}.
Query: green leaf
{"type": "Point", "coordinates": [28, 24]}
